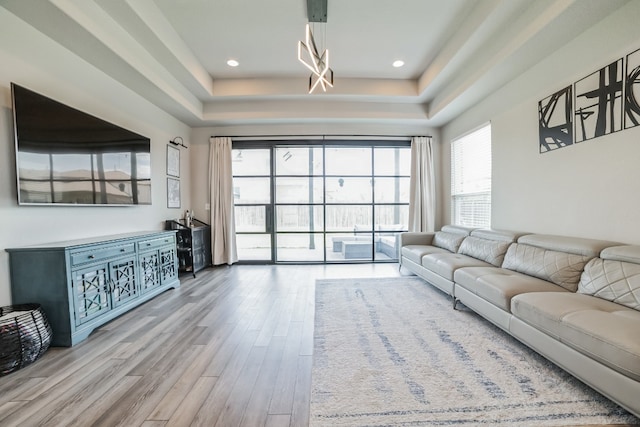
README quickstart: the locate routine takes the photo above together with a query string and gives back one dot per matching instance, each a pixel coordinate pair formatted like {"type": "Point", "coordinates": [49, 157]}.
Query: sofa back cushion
{"type": "Point", "coordinates": [562, 268]}
{"type": "Point", "coordinates": [615, 276]}
{"type": "Point", "coordinates": [487, 245]}
{"type": "Point", "coordinates": [574, 245]}
{"type": "Point", "coordinates": [450, 237]}
{"type": "Point", "coordinates": [448, 241]}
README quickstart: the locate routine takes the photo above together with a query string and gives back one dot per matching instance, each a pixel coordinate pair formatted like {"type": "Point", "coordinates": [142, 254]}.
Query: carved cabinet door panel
{"type": "Point", "coordinates": [91, 296]}
{"type": "Point", "coordinates": [168, 264]}
{"type": "Point", "coordinates": [123, 281]}
{"type": "Point", "coordinates": [149, 271]}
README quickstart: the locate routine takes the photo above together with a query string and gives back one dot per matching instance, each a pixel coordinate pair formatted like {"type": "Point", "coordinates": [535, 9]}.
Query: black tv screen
{"type": "Point", "coordinates": [67, 157]}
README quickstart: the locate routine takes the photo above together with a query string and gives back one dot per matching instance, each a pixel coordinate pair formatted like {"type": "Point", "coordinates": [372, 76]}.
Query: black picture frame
{"type": "Point", "coordinates": [173, 161]}
{"type": "Point", "coordinates": [632, 90]}
{"type": "Point", "coordinates": [598, 103]}
{"type": "Point", "coordinates": [555, 120]}
{"type": "Point", "coordinates": [173, 193]}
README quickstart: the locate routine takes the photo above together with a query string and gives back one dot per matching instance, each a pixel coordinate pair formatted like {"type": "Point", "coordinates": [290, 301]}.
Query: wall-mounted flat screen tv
{"type": "Point", "coordinates": [67, 157]}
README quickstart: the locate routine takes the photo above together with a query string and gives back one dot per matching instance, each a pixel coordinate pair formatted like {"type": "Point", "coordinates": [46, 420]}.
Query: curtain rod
{"type": "Point", "coordinates": [321, 137]}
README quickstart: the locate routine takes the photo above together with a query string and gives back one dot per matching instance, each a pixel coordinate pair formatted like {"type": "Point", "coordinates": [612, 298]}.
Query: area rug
{"type": "Point", "coordinates": [393, 352]}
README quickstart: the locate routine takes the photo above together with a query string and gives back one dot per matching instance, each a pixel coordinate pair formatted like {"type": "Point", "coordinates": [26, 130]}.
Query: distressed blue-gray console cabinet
{"type": "Point", "coordinates": [83, 284]}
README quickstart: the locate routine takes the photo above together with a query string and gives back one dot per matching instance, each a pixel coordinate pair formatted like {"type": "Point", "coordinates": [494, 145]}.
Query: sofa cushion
{"type": "Point", "coordinates": [416, 252]}
{"type": "Point", "coordinates": [498, 235]}
{"type": "Point", "coordinates": [457, 229]}
{"type": "Point", "coordinates": [562, 268]}
{"type": "Point", "coordinates": [450, 237]}
{"type": "Point", "coordinates": [416, 238]}
{"type": "Point", "coordinates": [611, 337]}
{"type": "Point", "coordinates": [445, 264]}
{"type": "Point", "coordinates": [499, 286]}
{"type": "Point", "coordinates": [626, 253]}
{"type": "Point", "coordinates": [448, 241]}
{"type": "Point", "coordinates": [600, 329]}
{"type": "Point", "coordinates": [545, 310]}
{"type": "Point", "coordinates": [490, 251]}
{"type": "Point", "coordinates": [613, 278]}
{"type": "Point", "coordinates": [573, 245]}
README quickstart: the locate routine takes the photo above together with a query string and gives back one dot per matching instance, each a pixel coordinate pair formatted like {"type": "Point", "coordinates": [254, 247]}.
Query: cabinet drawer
{"type": "Point", "coordinates": [101, 253]}
{"type": "Point", "coordinates": [156, 243]}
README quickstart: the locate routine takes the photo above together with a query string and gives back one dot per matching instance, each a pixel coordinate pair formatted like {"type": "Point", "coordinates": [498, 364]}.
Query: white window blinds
{"type": "Point", "coordinates": [471, 179]}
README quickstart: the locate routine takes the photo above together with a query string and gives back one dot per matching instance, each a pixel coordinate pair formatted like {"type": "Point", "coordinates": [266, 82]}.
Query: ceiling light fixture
{"type": "Point", "coordinates": [308, 54]}
{"type": "Point", "coordinates": [398, 63]}
{"type": "Point", "coordinates": [232, 63]}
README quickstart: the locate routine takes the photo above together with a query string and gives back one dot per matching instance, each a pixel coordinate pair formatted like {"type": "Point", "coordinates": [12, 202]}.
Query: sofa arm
{"type": "Point", "coordinates": [416, 238]}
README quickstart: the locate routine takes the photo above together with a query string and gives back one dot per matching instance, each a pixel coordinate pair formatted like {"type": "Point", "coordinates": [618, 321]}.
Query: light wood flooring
{"type": "Point", "coordinates": [232, 347]}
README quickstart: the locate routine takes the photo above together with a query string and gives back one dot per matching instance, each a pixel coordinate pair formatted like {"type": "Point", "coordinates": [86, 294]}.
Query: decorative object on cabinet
{"type": "Point", "coordinates": [173, 161]}
{"type": "Point", "coordinates": [188, 218]}
{"type": "Point", "coordinates": [173, 193]}
{"type": "Point", "coordinates": [193, 243]}
{"type": "Point", "coordinates": [83, 284]}
{"type": "Point", "coordinates": [25, 334]}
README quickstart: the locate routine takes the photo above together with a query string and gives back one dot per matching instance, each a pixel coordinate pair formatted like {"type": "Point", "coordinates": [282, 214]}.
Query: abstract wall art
{"type": "Point", "coordinates": [555, 120]}
{"type": "Point", "coordinates": [598, 103]}
{"type": "Point", "coordinates": [632, 91]}
{"type": "Point", "coordinates": [602, 103]}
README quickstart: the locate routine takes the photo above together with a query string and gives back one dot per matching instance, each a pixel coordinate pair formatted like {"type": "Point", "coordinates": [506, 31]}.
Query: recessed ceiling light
{"type": "Point", "coordinates": [232, 63]}
{"type": "Point", "coordinates": [398, 63]}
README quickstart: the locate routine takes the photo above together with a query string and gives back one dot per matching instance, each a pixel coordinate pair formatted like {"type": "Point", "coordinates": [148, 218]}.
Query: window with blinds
{"type": "Point", "coordinates": [471, 179]}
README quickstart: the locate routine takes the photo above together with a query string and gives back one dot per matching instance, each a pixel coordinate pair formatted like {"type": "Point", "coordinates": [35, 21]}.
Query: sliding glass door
{"type": "Point", "coordinates": [339, 202]}
{"type": "Point", "coordinates": [299, 203]}
{"type": "Point", "coordinates": [253, 204]}
{"type": "Point", "coordinates": [349, 205]}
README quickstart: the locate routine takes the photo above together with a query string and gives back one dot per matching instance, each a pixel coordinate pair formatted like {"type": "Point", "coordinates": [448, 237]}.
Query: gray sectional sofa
{"type": "Point", "coordinates": [575, 301]}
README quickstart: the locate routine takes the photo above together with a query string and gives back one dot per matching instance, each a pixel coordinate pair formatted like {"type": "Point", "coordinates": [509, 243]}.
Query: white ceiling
{"type": "Point", "coordinates": [174, 53]}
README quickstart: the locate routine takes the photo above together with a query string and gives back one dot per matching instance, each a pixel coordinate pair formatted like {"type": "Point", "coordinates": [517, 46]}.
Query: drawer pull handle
{"type": "Point", "coordinates": [148, 244]}
{"type": "Point", "coordinates": [92, 256]}
{"type": "Point", "coordinates": [122, 250]}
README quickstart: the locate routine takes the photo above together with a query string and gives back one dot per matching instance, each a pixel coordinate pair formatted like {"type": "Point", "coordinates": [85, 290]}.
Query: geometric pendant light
{"type": "Point", "coordinates": [316, 62]}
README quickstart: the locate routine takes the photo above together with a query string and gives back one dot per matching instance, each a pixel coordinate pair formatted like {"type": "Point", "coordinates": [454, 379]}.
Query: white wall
{"type": "Point", "coordinates": [33, 61]}
{"type": "Point", "coordinates": [586, 190]}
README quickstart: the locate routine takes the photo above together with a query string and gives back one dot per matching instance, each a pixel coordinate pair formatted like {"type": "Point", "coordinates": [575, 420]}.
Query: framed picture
{"type": "Point", "coordinates": [598, 103]}
{"type": "Point", "coordinates": [632, 91]}
{"type": "Point", "coordinates": [173, 193]}
{"type": "Point", "coordinates": [173, 161]}
{"type": "Point", "coordinates": [555, 120]}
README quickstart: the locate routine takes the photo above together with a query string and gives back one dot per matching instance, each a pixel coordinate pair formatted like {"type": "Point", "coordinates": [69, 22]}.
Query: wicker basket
{"type": "Point", "coordinates": [25, 334]}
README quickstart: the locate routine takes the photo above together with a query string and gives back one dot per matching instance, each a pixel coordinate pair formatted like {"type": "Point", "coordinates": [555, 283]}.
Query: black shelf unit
{"type": "Point", "coordinates": [193, 244]}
